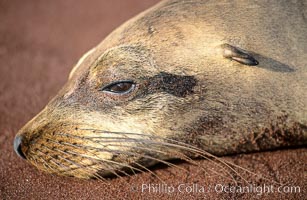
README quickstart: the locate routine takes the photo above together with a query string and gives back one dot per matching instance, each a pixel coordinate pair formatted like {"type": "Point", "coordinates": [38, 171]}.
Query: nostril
{"type": "Point", "coordinates": [17, 146]}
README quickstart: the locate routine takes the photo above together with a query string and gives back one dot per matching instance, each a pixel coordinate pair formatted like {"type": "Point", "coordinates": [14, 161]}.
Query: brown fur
{"type": "Point", "coordinates": [221, 107]}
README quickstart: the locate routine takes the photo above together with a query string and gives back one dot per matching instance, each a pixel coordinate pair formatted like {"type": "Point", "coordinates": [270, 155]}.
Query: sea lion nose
{"type": "Point", "coordinates": [17, 146]}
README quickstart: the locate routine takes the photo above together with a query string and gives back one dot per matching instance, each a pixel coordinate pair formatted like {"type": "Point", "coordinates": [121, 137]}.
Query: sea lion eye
{"type": "Point", "coordinates": [119, 87]}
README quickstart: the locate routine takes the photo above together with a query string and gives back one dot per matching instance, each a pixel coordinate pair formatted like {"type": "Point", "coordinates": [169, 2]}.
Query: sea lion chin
{"type": "Point", "coordinates": [180, 80]}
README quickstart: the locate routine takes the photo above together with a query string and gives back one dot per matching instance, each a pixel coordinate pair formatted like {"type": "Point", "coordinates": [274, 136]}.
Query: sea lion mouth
{"type": "Point", "coordinates": [94, 153]}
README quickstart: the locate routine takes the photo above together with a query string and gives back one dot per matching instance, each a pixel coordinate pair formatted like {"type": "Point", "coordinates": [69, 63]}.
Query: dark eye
{"type": "Point", "coordinates": [119, 87]}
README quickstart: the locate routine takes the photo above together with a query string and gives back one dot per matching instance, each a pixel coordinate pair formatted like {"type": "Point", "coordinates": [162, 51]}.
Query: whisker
{"type": "Point", "coordinates": [108, 161]}
{"type": "Point", "coordinates": [89, 173]}
{"type": "Point", "coordinates": [193, 148]}
{"type": "Point", "coordinates": [174, 144]}
{"type": "Point", "coordinates": [152, 142]}
{"type": "Point", "coordinates": [99, 159]}
{"type": "Point", "coordinates": [122, 152]}
{"type": "Point", "coordinates": [45, 164]}
{"type": "Point", "coordinates": [83, 166]}
{"type": "Point", "coordinates": [34, 158]}
{"type": "Point", "coordinates": [151, 149]}
{"type": "Point", "coordinates": [52, 161]}
{"type": "Point", "coordinates": [164, 143]}
{"type": "Point", "coordinates": [151, 172]}
{"type": "Point", "coordinates": [191, 161]}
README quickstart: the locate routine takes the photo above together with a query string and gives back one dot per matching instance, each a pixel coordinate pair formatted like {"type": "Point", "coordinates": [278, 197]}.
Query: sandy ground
{"type": "Point", "coordinates": [39, 43]}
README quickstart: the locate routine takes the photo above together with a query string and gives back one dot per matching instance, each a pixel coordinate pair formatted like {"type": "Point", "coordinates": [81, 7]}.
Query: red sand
{"type": "Point", "coordinates": [39, 43]}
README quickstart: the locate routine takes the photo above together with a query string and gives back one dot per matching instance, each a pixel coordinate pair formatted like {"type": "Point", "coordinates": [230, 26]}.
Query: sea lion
{"type": "Point", "coordinates": [180, 80]}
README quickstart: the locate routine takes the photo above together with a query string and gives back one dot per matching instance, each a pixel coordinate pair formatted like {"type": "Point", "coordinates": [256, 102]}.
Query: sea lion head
{"type": "Point", "coordinates": [107, 114]}
{"type": "Point", "coordinates": [162, 86]}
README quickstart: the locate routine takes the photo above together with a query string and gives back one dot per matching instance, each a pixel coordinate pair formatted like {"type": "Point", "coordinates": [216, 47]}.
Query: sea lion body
{"type": "Point", "coordinates": [217, 76]}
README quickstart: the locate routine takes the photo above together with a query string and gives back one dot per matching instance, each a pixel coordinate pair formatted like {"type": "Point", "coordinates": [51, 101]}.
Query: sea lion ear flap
{"type": "Point", "coordinates": [239, 55]}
